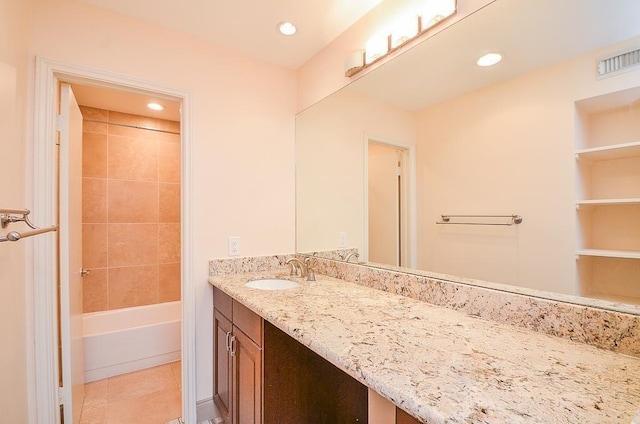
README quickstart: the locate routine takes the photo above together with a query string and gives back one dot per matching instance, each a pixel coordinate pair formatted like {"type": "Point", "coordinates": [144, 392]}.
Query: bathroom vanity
{"type": "Point", "coordinates": [437, 364]}
{"type": "Point", "coordinates": [264, 375]}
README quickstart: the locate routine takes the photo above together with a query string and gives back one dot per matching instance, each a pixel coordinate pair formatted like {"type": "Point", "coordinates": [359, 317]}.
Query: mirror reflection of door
{"type": "Point", "coordinates": [385, 203]}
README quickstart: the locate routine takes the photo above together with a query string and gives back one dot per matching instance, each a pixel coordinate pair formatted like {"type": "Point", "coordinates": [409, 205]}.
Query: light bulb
{"type": "Point", "coordinates": [155, 106]}
{"type": "Point", "coordinates": [287, 28]}
{"type": "Point", "coordinates": [489, 59]}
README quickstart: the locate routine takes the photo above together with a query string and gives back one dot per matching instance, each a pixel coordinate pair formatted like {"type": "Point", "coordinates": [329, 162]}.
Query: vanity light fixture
{"type": "Point", "coordinates": [155, 106]}
{"type": "Point", "coordinates": [435, 11]}
{"type": "Point", "coordinates": [376, 48]}
{"type": "Point", "coordinates": [489, 59]}
{"type": "Point", "coordinates": [404, 31]}
{"type": "Point", "coordinates": [409, 28]}
{"type": "Point", "coordinates": [354, 63]}
{"type": "Point", "coordinates": [287, 28]}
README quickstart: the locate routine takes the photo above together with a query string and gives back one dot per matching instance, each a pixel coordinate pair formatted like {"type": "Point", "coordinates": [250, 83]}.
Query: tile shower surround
{"type": "Point", "coordinates": [131, 210]}
{"type": "Point", "coordinates": [611, 330]}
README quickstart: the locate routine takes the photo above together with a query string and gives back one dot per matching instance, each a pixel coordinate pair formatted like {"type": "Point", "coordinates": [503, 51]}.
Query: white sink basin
{"type": "Point", "coordinates": [271, 284]}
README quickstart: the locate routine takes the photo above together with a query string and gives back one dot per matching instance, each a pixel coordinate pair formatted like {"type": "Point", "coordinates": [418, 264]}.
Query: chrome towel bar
{"type": "Point", "coordinates": [9, 216]}
{"type": "Point", "coordinates": [469, 219]}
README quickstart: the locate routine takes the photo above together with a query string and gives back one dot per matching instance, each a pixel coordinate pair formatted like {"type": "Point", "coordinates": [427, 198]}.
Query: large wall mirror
{"type": "Point", "coordinates": [541, 135]}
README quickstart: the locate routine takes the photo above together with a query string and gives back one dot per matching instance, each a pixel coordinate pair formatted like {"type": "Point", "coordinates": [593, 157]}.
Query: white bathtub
{"type": "Point", "coordinates": [131, 339]}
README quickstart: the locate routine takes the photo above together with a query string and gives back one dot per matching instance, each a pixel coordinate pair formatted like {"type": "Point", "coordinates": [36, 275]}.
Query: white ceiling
{"type": "Point", "coordinates": [247, 26]}
{"type": "Point", "coordinates": [250, 26]}
{"type": "Point", "coordinates": [530, 33]}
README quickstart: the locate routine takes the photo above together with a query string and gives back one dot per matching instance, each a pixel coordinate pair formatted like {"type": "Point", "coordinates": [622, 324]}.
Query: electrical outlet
{"type": "Point", "coordinates": [342, 239]}
{"type": "Point", "coordinates": [234, 246]}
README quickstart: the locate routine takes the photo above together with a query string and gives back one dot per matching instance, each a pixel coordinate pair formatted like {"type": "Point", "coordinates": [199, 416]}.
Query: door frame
{"type": "Point", "coordinates": [409, 215]}
{"type": "Point", "coordinates": [47, 73]}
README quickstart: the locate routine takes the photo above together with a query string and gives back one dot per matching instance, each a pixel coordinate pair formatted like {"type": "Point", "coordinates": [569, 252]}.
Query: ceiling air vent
{"type": "Point", "coordinates": [621, 62]}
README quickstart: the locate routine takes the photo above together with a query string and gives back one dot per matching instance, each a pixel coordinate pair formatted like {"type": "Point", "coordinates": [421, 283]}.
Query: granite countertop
{"type": "Point", "coordinates": [441, 365]}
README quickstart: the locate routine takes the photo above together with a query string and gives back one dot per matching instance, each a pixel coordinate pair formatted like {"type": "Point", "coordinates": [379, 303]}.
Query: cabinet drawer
{"type": "Point", "coordinates": [248, 321]}
{"type": "Point", "coordinates": [223, 303]}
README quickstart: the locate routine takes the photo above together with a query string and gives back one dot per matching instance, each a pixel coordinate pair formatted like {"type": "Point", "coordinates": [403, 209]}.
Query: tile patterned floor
{"type": "Point", "coordinates": [150, 396]}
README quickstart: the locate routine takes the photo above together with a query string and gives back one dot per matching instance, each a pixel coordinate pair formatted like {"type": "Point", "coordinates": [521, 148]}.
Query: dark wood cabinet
{"type": "Point", "coordinates": [247, 376]}
{"type": "Point", "coordinates": [302, 387]}
{"type": "Point", "coordinates": [223, 372]}
{"type": "Point", "coordinates": [264, 376]}
{"type": "Point", "coordinates": [237, 382]}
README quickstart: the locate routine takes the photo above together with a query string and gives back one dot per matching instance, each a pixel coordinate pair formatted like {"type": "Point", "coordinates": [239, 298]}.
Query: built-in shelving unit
{"type": "Point", "coordinates": [616, 151]}
{"type": "Point", "coordinates": [608, 196]}
{"type": "Point", "coordinates": [609, 253]}
{"type": "Point", "coordinates": [607, 202]}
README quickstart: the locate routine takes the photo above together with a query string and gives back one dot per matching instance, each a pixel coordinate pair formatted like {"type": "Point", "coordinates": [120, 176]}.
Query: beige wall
{"type": "Point", "coordinates": [501, 150]}
{"type": "Point", "coordinates": [242, 132]}
{"type": "Point", "coordinates": [330, 142]}
{"type": "Point", "coordinates": [130, 210]}
{"type": "Point", "coordinates": [14, 28]}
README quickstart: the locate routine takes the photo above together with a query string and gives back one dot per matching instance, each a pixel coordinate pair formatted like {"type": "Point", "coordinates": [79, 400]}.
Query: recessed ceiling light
{"type": "Point", "coordinates": [287, 28]}
{"type": "Point", "coordinates": [155, 106]}
{"type": "Point", "coordinates": [489, 59]}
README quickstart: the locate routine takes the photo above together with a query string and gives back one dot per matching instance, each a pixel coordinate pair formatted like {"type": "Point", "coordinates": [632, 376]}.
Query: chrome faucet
{"type": "Point", "coordinates": [351, 255]}
{"type": "Point", "coordinates": [297, 267]}
{"type": "Point", "coordinates": [304, 269]}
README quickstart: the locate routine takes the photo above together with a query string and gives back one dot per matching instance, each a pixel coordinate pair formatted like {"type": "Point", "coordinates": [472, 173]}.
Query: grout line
{"type": "Point", "coordinates": [108, 221]}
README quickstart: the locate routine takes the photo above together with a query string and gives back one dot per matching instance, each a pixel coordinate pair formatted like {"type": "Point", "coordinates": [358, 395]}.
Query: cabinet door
{"type": "Point", "coordinates": [222, 367]}
{"type": "Point", "coordinates": [247, 372]}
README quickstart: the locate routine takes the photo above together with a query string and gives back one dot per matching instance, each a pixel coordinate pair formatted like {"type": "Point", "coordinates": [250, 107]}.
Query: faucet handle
{"type": "Point", "coordinates": [310, 263]}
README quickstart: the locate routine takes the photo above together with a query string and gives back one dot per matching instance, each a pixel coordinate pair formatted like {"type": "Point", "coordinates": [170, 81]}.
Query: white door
{"type": "Point", "coordinates": [70, 201]}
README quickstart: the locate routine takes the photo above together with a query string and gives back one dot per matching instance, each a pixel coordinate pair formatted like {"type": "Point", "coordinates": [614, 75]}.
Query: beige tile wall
{"type": "Point", "coordinates": [131, 210]}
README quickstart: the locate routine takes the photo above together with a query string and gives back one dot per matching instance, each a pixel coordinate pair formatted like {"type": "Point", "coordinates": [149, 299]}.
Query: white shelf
{"type": "Point", "coordinates": [624, 254]}
{"type": "Point", "coordinates": [614, 151]}
{"type": "Point", "coordinates": [608, 202]}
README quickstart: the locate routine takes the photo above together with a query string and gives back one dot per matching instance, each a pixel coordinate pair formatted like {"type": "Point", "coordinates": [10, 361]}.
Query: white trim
{"type": "Point", "coordinates": [411, 228]}
{"type": "Point", "coordinates": [412, 189]}
{"type": "Point", "coordinates": [364, 255]}
{"type": "Point", "coordinates": [44, 249]}
{"type": "Point", "coordinates": [44, 210]}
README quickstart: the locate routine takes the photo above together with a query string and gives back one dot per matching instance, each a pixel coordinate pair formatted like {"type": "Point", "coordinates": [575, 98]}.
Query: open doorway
{"type": "Point", "coordinates": [130, 254]}
{"type": "Point", "coordinates": [134, 234]}
{"type": "Point", "coordinates": [388, 238]}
